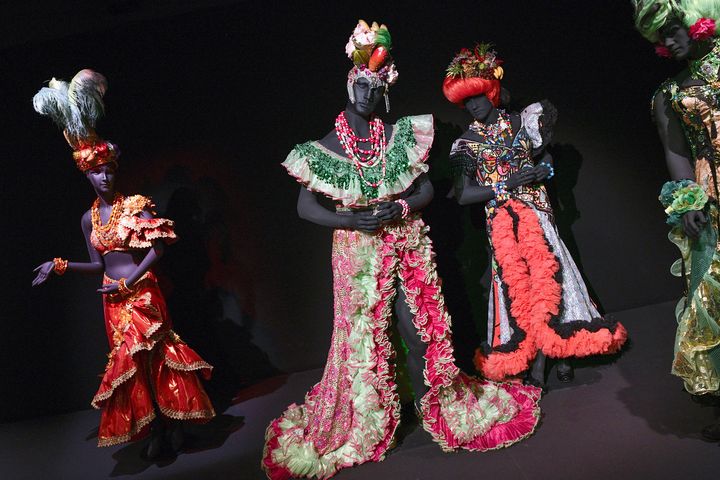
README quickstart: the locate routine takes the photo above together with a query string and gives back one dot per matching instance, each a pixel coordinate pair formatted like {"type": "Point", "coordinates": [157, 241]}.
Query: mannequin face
{"type": "Point", "coordinates": [479, 106]}
{"type": "Point", "coordinates": [675, 37]}
{"type": "Point", "coordinates": [367, 97]}
{"type": "Point", "coordinates": [102, 178]}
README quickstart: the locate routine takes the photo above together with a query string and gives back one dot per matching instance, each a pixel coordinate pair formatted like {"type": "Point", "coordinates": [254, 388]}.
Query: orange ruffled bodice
{"type": "Point", "coordinates": [130, 231]}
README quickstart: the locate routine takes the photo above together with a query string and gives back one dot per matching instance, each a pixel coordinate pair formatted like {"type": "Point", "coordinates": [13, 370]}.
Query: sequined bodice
{"type": "Point", "coordinates": [698, 109]}
{"type": "Point", "coordinates": [493, 160]}
{"type": "Point", "coordinates": [496, 161]}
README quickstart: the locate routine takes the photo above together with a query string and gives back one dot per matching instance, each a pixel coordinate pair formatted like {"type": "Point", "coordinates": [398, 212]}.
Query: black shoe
{"type": "Point", "coordinates": [176, 438]}
{"type": "Point", "coordinates": [565, 372]}
{"type": "Point", "coordinates": [153, 448]}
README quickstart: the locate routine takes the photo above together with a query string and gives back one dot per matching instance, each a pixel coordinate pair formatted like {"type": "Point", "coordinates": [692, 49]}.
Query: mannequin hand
{"type": "Point", "coordinates": [541, 172]}
{"type": "Point", "coordinates": [389, 212]}
{"type": "Point", "coordinates": [109, 288]}
{"type": "Point", "coordinates": [692, 222]}
{"type": "Point", "coordinates": [363, 221]}
{"type": "Point", "coordinates": [518, 179]}
{"type": "Point", "coordinates": [44, 270]}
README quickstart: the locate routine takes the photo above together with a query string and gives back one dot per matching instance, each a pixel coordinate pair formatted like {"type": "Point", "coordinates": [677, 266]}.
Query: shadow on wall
{"type": "Point", "coordinates": [210, 295]}
{"type": "Point", "coordinates": [568, 161]}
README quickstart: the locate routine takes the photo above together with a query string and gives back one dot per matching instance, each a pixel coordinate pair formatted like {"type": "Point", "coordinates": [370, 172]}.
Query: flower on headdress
{"type": "Point", "coordinates": [703, 29]}
{"type": "Point", "coordinates": [392, 74]}
{"type": "Point", "coordinates": [350, 48]}
{"type": "Point", "coordinates": [662, 51]}
{"type": "Point", "coordinates": [361, 38]}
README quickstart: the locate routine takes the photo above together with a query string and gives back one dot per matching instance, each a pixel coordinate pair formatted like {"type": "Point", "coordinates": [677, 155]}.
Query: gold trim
{"type": "Point", "coordinates": [139, 425]}
{"type": "Point", "coordinates": [194, 415]}
{"type": "Point", "coordinates": [185, 367]}
{"type": "Point", "coordinates": [113, 386]}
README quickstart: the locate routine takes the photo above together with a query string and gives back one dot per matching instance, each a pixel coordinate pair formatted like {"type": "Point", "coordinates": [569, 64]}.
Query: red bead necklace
{"type": "Point", "coordinates": [361, 157]}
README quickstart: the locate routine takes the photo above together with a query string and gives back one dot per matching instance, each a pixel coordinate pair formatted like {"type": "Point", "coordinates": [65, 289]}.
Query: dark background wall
{"type": "Point", "coordinates": [206, 102]}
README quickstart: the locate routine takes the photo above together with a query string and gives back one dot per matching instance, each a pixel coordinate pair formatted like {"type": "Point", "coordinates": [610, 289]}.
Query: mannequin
{"type": "Point", "coordinates": [382, 259]}
{"type": "Point", "coordinates": [539, 304]}
{"type": "Point", "coordinates": [150, 382]}
{"type": "Point", "coordinates": [685, 109]}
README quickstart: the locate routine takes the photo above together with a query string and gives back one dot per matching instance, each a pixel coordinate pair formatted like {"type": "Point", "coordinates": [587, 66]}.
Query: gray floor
{"type": "Point", "coordinates": [626, 419]}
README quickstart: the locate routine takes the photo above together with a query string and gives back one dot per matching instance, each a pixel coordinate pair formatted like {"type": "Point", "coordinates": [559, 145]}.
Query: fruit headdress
{"type": "Point", "coordinates": [474, 72]}
{"type": "Point", "coordinates": [369, 48]}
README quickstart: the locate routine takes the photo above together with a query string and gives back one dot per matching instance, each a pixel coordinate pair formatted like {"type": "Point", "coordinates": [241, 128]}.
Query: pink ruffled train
{"type": "Point", "coordinates": [350, 416]}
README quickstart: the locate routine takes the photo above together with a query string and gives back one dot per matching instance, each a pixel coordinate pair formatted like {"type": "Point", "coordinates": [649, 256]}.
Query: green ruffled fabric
{"type": "Point", "coordinates": [697, 343]}
{"type": "Point", "coordinates": [323, 171]}
{"type": "Point", "coordinates": [680, 197]}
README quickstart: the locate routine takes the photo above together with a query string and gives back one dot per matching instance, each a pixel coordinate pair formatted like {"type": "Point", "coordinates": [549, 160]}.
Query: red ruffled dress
{"type": "Point", "coordinates": [147, 360]}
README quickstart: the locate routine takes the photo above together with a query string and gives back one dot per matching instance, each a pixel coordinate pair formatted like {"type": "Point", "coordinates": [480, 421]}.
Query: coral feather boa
{"type": "Point", "coordinates": [528, 268]}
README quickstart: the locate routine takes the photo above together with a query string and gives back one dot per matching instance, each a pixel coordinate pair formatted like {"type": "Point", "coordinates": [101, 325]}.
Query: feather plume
{"type": "Point", "coordinates": [76, 106]}
{"type": "Point", "coordinates": [52, 101]}
{"type": "Point", "coordinates": [85, 96]}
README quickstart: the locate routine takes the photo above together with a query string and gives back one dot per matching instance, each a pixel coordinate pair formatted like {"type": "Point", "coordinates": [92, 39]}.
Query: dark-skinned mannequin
{"type": "Point", "coordinates": [678, 158]}
{"type": "Point", "coordinates": [678, 154]}
{"type": "Point", "coordinates": [151, 378]}
{"type": "Point", "coordinates": [467, 192]}
{"type": "Point", "coordinates": [367, 99]}
{"type": "Point", "coordinates": [116, 265]}
{"type": "Point", "coordinates": [383, 263]}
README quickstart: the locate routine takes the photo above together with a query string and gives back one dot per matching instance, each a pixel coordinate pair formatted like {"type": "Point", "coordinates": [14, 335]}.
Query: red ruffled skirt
{"type": "Point", "coordinates": [148, 363]}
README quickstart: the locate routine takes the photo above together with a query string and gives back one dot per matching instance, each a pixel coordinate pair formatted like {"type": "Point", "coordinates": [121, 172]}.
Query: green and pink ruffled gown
{"type": "Point", "coordinates": [351, 415]}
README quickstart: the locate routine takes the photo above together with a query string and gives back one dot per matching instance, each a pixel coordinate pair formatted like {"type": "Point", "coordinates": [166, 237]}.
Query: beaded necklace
{"type": "Point", "coordinates": [363, 158]}
{"type": "Point", "coordinates": [495, 135]}
{"type": "Point", "coordinates": [501, 127]}
{"type": "Point", "coordinates": [106, 233]}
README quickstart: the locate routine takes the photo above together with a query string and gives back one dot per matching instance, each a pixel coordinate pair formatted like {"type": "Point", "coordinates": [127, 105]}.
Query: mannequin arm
{"type": "Point", "coordinates": [309, 209]}
{"type": "Point", "coordinates": [94, 266]}
{"type": "Point", "coordinates": [467, 191]}
{"type": "Point", "coordinates": [677, 156]}
{"type": "Point", "coordinates": [419, 195]}
{"type": "Point", "coordinates": [151, 257]}
{"type": "Point", "coordinates": [677, 152]}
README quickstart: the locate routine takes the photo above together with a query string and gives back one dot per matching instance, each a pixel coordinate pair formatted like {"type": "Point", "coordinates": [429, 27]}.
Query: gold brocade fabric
{"type": "Point", "coordinates": [698, 326]}
{"type": "Point", "coordinates": [697, 352]}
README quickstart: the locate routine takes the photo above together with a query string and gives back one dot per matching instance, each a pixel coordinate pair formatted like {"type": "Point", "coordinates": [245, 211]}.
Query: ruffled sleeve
{"type": "Point", "coordinates": [138, 232]}
{"type": "Point", "coordinates": [323, 171]}
{"type": "Point", "coordinates": [530, 118]}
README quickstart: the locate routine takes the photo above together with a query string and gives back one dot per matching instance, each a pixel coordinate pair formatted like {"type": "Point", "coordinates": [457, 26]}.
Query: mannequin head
{"type": "Point", "coordinates": [366, 95]}
{"type": "Point", "coordinates": [102, 179]}
{"type": "Point", "coordinates": [683, 27]}
{"type": "Point", "coordinates": [480, 107]}
{"type": "Point", "coordinates": [374, 69]}
{"type": "Point", "coordinates": [676, 38]}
